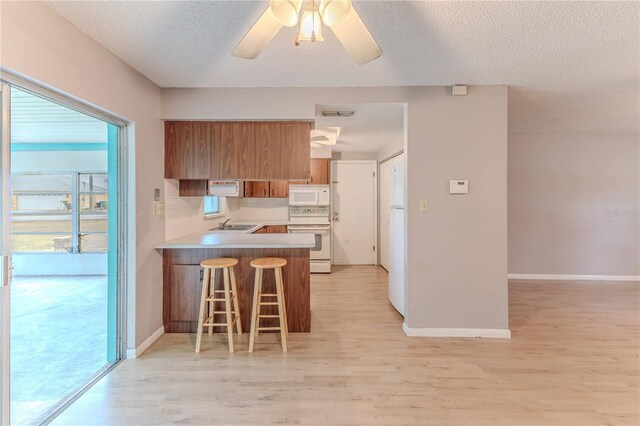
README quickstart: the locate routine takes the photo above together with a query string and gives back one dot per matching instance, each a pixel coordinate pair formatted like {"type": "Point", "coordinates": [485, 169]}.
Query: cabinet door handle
{"type": "Point", "coordinates": [201, 275]}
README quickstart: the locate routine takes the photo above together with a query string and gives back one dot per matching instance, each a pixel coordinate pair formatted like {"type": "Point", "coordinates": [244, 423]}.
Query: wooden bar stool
{"type": "Point", "coordinates": [210, 294]}
{"type": "Point", "coordinates": [261, 264]}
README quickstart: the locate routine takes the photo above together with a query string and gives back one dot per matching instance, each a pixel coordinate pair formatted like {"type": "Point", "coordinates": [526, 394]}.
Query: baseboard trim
{"type": "Point", "coordinates": [573, 277]}
{"type": "Point", "coordinates": [490, 333]}
{"type": "Point", "coordinates": [135, 353]}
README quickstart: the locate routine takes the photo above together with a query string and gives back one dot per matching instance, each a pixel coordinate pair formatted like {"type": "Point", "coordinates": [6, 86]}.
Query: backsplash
{"type": "Point", "coordinates": [264, 209]}
{"type": "Point", "coordinates": [184, 215]}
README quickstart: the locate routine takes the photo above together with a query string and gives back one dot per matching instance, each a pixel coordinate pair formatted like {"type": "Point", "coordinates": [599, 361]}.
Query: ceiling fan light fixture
{"type": "Point", "coordinates": [334, 12]}
{"type": "Point", "coordinates": [310, 26]}
{"type": "Point", "coordinates": [286, 11]}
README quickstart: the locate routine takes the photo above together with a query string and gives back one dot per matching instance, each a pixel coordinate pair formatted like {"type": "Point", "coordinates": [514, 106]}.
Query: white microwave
{"type": "Point", "coordinates": [309, 195]}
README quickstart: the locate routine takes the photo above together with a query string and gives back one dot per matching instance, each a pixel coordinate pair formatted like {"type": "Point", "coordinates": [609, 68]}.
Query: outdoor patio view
{"type": "Point", "coordinates": [59, 243]}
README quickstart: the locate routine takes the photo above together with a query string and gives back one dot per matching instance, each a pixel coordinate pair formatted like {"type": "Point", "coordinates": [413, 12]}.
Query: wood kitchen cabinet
{"type": "Point", "coordinates": [272, 229]}
{"type": "Point", "coordinates": [266, 189]}
{"type": "Point", "coordinates": [244, 150]}
{"type": "Point", "coordinates": [187, 287]}
{"type": "Point", "coordinates": [319, 173]}
{"type": "Point", "coordinates": [182, 287]}
{"type": "Point", "coordinates": [256, 189]}
{"type": "Point", "coordinates": [279, 189]}
{"type": "Point", "coordinates": [193, 188]}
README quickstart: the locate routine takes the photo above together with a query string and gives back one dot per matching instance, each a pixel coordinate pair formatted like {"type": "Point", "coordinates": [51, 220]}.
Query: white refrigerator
{"type": "Point", "coordinates": [396, 238]}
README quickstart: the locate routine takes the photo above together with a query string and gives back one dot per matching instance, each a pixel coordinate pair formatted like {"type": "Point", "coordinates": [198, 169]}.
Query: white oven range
{"type": "Point", "coordinates": [314, 220]}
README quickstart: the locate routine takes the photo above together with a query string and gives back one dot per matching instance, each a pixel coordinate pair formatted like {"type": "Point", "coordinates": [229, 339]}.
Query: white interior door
{"type": "Point", "coordinates": [385, 195]}
{"type": "Point", "coordinates": [5, 264]}
{"type": "Point", "coordinates": [354, 212]}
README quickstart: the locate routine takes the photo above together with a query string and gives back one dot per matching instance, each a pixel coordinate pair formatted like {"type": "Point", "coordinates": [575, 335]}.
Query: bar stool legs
{"type": "Point", "coordinates": [255, 311]}
{"type": "Point", "coordinates": [206, 317]}
{"type": "Point", "coordinates": [260, 265]}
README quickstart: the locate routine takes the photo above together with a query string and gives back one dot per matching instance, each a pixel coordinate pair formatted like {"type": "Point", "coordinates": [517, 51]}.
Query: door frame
{"type": "Point", "coordinates": [119, 264]}
{"type": "Point", "coordinates": [375, 203]}
{"type": "Point", "coordinates": [5, 255]}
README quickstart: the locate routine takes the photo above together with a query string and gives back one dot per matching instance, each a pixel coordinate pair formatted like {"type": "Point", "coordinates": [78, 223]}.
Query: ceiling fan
{"type": "Point", "coordinates": [339, 15]}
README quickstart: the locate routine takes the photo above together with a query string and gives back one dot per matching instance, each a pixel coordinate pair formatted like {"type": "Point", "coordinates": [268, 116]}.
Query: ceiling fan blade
{"type": "Point", "coordinates": [319, 139]}
{"type": "Point", "coordinates": [356, 38]}
{"type": "Point", "coordinates": [262, 32]}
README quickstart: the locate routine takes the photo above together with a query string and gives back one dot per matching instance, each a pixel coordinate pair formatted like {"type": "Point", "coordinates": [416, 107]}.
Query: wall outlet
{"type": "Point", "coordinates": [423, 206]}
{"type": "Point", "coordinates": [159, 209]}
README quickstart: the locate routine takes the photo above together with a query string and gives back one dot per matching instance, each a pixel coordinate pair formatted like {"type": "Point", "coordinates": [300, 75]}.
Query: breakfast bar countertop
{"type": "Point", "coordinates": [235, 239]}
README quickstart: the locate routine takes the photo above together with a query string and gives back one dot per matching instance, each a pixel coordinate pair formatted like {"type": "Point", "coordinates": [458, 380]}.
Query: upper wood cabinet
{"type": "Point", "coordinates": [256, 189]}
{"type": "Point", "coordinates": [237, 150]}
{"type": "Point", "coordinates": [266, 189]}
{"type": "Point", "coordinates": [320, 171]}
{"type": "Point", "coordinates": [279, 189]}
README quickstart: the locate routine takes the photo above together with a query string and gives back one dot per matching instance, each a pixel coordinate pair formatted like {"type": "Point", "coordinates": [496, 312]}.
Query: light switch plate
{"type": "Point", "coordinates": [159, 209]}
{"type": "Point", "coordinates": [458, 186]}
{"type": "Point", "coordinates": [423, 206]}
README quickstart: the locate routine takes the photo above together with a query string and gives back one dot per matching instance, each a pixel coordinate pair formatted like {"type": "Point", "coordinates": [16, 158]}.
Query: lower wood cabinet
{"type": "Point", "coordinates": [185, 291]}
{"type": "Point", "coordinates": [182, 287]}
{"type": "Point", "coordinates": [272, 229]}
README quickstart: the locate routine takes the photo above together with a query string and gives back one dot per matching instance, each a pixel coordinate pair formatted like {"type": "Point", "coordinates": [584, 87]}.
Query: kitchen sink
{"type": "Point", "coordinates": [234, 228]}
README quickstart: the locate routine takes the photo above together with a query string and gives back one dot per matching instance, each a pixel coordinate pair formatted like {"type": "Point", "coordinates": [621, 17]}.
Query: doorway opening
{"type": "Point", "coordinates": [366, 143]}
{"type": "Point", "coordinates": [65, 227]}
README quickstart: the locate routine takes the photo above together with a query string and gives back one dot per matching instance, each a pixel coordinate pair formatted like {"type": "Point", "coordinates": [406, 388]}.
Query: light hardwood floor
{"type": "Point", "coordinates": [573, 360]}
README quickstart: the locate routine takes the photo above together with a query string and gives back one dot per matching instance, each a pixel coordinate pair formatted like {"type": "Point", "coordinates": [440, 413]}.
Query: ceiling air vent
{"type": "Point", "coordinates": [338, 113]}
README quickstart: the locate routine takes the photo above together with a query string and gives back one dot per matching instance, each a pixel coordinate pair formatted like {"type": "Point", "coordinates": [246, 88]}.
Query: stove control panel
{"type": "Point", "coordinates": [309, 211]}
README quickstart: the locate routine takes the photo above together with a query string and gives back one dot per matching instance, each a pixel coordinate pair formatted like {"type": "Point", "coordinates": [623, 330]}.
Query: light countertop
{"type": "Point", "coordinates": [240, 239]}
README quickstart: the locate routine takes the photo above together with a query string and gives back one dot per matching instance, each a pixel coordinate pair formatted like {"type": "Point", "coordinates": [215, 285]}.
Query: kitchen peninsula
{"type": "Point", "coordinates": [183, 279]}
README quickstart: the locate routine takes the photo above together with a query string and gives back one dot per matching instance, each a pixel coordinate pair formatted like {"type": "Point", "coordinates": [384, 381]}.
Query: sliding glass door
{"type": "Point", "coordinates": [60, 253]}
{"type": "Point", "coordinates": [5, 264]}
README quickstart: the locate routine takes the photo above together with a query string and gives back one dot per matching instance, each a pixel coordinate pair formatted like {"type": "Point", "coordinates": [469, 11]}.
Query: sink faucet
{"type": "Point", "coordinates": [221, 225]}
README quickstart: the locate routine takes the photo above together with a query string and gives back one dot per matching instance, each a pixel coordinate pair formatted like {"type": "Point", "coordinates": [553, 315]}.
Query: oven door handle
{"type": "Point", "coordinates": [327, 228]}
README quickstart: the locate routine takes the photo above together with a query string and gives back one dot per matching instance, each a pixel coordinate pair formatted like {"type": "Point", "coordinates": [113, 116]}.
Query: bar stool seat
{"type": "Point", "coordinates": [268, 262]}
{"type": "Point", "coordinates": [260, 265]}
{"type": "Point", "coordinates": [222, 262]}
{"type": "Point", "coordinates": [227, 296]}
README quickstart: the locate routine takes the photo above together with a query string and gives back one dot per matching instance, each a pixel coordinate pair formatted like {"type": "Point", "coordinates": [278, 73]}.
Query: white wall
{"type": "Point", "coordinates": [42, 45]}
{"type": "Point", "coordinates": [457, 252]}
{"type": "Point", "coordinates": [574, 204]}
{"type": "Point", "coordinates": [392, 148]}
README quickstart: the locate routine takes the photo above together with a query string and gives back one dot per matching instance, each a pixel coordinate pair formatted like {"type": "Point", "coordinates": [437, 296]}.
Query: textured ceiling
{"type": "Point", "coordinates": [571, 66]}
